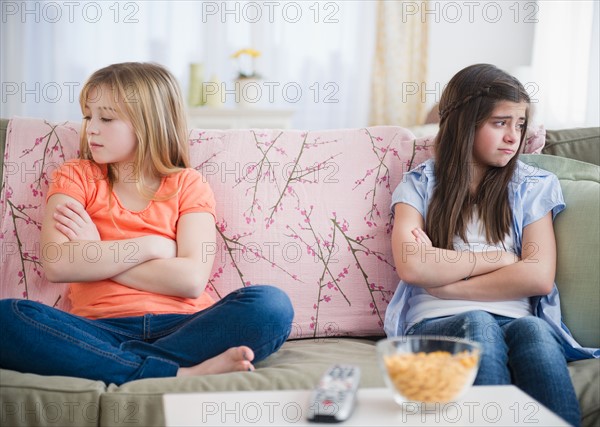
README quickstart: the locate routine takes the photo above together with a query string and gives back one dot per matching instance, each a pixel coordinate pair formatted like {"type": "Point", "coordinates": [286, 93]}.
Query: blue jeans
{"type": "Point", "coordinates": [525, 352]}
{"type": "Point", "coordinates": [43, 340]}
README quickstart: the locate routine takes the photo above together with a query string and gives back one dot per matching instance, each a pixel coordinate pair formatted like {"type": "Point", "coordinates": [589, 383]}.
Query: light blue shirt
{"type": "Point", "coordinates": [532, 193]}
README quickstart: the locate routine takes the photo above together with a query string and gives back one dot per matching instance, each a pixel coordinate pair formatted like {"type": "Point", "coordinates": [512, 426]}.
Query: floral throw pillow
{"type": "Point", "coordinates": [308, 212]}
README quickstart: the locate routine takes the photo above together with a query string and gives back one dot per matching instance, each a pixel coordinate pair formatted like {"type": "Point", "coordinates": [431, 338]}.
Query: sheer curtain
{"type": "Point", "coordinates": [565, 70]}
{"type": "Point", "coordinates": [316, 56]}
{"type": "Point", "coordinates": [400, 66]}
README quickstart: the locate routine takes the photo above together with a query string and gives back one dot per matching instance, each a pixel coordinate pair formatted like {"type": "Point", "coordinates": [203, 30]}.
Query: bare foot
{"type": "Point", "coordinates": [231, 360]}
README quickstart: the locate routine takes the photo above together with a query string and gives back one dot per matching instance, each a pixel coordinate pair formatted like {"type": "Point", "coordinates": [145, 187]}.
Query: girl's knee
{"type": "Point", "coordinates": [272, 300]}
{"type": "Point", "coordinates": [478, 317]}
{"type": "Point", "coordinates": [23, 307]}
{"type": "Point", "coordinates": [476, 325]}
{"type": "Point", "coordinates": [530, 329]}
{"type": "Point", "coordinates": [10, 307]}
{"type": "Point", "coordinates": [478, 321]}
{"type": "Point", "coordinates": [482, 327]}
{"type": "Point", "coordinates": [6, 310]}
{"type": "Point", "coordinates": [266, 307]}
{"type": "Point", "coordinates": [269, 313]}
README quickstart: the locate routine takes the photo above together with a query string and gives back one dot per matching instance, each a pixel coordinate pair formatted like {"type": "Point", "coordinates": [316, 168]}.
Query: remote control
{"type": "Point", "coordinates": [333, 399]}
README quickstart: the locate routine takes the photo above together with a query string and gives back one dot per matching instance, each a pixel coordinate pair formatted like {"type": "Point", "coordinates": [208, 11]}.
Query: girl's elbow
{"type": "Point", "coordinates": [409, 272]}
{"type": "Point", "coordinates": [192, 292]}
{"type": "Point", "coordinates": [544, 284]}
{"type": "Point", "coordinates": [52, 277]}
{"type": "Point", "coordinates": [194, 286]}
{"type": "Point", "coordinates": [409, 261]}
{"type": "Point", "coordinates": [58, 264]}
{"type": "Point", "coordinates": [545, 287]}
{"type": "Point", "coordinates": [54, 272]}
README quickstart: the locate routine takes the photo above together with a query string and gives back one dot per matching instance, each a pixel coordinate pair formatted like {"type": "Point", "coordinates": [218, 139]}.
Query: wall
{"type": "Point", "coordinates": [468, 32]}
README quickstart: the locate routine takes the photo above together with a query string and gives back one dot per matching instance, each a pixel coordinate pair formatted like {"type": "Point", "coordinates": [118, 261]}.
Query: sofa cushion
{"type": "Point", "coordinates": [579, 144]}
{"type": "Point", "coordinates": [577, 238]}
{"type": "Point", "coordinates": [297, 365]}
{"type": "Point", "coordinates": [28, 399]}
{"type": "Point", "coordinates": [585, 375]}
{"type": "Point", "coordinates": [308, 212]}
{"type": "Point", "coordinates": [536, 140]}
{"type": "Point", "coordinates": [34, 149]}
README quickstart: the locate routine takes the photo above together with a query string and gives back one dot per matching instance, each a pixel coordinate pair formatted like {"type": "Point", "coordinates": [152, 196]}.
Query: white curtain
{"type": "Point", "coordinates": [316, 56]}
{"type": "Point", "coordinates": [400, 65]}
{"type": "Point", "coordinates": [565, 70]}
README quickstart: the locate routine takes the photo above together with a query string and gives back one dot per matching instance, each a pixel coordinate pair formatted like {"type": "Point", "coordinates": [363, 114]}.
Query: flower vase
{"type": "Point", "coordinates": [196, 80]}
{"type": "Point", "coordinates": [212, 93]}
{"type": "Point", "coordinates": [248, 92]}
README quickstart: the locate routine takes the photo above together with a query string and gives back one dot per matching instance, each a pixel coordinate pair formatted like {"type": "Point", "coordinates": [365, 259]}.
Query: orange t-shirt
{"type": "Point", "coordinates": [85, 181]}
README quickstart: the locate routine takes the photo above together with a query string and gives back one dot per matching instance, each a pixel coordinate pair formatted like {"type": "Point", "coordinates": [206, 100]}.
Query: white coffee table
{"type": "Point", "coordinates": [483, 405]}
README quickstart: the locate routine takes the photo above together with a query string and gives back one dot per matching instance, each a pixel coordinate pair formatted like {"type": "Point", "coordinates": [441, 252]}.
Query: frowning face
{"type": "Point", "coordinates": [497, 139]}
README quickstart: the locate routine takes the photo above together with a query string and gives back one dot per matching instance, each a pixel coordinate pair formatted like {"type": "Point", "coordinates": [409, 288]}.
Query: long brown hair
{"type": "Point", "coordinates": [149, 96]}
{"type": "Point", "coordinates": [466, 103]}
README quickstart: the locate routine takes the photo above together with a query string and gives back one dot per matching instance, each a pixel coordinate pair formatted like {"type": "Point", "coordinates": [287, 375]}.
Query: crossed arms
{"type": "Point", "coordinates": [151, 263]}
{"type": "Point", "coordinates": [494, 276]}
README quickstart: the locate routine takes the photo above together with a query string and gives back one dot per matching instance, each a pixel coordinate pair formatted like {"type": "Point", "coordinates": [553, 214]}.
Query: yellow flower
{"type": "Point", "coordinates": [247, 51]}
{"type": "Point", "coordinates": [245, 58]}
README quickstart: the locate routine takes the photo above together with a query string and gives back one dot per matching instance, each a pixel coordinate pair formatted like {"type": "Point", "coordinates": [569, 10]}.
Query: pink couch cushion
{"type": "Point", "coordinates": [536, 140]}
{"type": "Point", "coordinates": [308, 212]}
{"type": "Point", "coordinates": [34, 148]}
{"type": "Point", "coordinates": [305, 211]}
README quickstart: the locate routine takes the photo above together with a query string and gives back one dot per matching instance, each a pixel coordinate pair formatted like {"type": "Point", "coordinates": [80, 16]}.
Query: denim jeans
{"type": "Point", "coordinates": [43, 340]}
{"type": "Point", "coordinates": [525, 352]}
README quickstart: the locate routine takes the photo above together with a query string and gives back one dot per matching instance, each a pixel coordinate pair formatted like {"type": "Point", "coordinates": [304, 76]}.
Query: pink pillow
{"type": "Point", "coordinates": [34, 148]}
{"type": "Point", "coordinates": [309, 213]}
{"type": "Point", "coordinates": [535, 140]}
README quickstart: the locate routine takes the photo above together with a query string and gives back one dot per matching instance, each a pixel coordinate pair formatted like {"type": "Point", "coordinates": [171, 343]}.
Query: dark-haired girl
{"type": "Point", "coordinates": [474, 244]}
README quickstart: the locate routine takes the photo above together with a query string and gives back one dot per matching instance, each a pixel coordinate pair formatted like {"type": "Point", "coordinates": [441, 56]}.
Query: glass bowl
{"type": "Point", "coordinates": [428, 369]}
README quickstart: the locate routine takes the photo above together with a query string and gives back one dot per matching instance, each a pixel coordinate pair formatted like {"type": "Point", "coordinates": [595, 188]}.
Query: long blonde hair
{"type": "Point", "coordinates": [149, 96]}
{"type": "Point", "coordinates": [466, 103]}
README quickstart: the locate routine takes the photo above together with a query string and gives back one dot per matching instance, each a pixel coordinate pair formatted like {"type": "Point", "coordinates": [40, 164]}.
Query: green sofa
{"type": "Point", "coordinates": [27, 399]}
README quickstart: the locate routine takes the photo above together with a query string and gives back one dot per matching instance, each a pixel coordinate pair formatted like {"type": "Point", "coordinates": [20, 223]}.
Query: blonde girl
{"type": "Point", "coordinates": [134, 229]}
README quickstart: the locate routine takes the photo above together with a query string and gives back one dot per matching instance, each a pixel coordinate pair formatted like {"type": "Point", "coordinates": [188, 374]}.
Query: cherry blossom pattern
{"type": "Point", "coordinates": [422, 150]}
{"type": "Point", "coordinates": [239, 252]}
{"type": "Point", "coordinates": [323, 251]}
{"type": "Point", "coordinates": [25, 210]}
{"type": "Point", "coordinates": [378, 175]}
{"type": "Point", "coordinates": [295, 172]}
{"type": "Point", "coordinates": [358, 246]}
